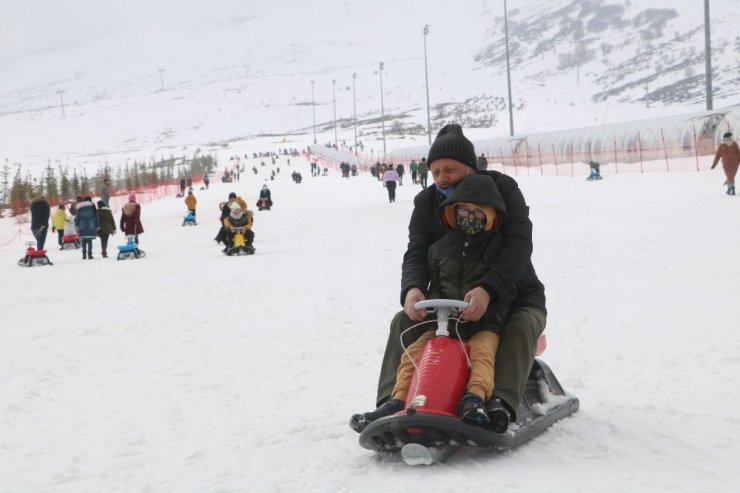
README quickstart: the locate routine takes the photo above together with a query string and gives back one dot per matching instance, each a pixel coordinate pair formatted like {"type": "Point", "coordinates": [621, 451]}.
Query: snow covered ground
{"type": "Point", "coordinates": [190, 371]}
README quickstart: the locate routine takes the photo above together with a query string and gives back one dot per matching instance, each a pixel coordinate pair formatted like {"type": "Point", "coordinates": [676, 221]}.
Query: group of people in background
{"type": "Point", "coordinates": [85, 220]}
{"type": "Point", "coordinates": [393, 176]}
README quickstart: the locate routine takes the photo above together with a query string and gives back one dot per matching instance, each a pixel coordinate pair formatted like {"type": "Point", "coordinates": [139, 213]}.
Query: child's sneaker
{"type": "Point", "coordinates": [358, 422]}
{"type": "Point", "coordinates": [498, 415]}
{"type": "Point", "coordinates": [472, 411]}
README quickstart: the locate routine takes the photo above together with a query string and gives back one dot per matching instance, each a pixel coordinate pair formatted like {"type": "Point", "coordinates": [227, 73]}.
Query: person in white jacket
{"type": "Point", "coordinates": [390, 180]}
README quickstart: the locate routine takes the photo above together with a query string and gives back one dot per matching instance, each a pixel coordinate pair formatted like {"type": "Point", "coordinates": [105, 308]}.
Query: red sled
{"type": "Point", "coordinates": [428, 429]}
{"type": "Point", "coordinates": [34, 257]}
{"type": "Point", "coordinates": [70, 241]}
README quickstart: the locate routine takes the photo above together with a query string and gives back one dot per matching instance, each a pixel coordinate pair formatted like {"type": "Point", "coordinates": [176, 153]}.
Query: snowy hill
{"type": "Point", "coordinates": [191, 371]}
{"type": "Point", "coordinates": [143, 80]}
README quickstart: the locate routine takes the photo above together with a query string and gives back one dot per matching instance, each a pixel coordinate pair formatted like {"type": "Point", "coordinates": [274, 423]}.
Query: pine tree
{"type": "Point", "coordinates": [52, 190]}
{"type": "Point", "coordinates": [75, 184]}
{"type": "Point", "coordinates": [5, 177]}
{"type": "Point", "coordinates": [66, 185]}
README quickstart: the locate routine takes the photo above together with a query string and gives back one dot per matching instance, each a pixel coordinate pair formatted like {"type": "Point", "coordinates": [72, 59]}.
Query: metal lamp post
{"type": "Point", "coordinates": [334, 98]}
{"type": "Point", "coordinates": [382, 110]}
{"type": "Point", "coordinates": [426, 78]}
{"type": "Point", "coordinates": [313, 108]}
{"type": "Point", "coordinates": [708, 55]}
{"type": "Point", "coordinates": [354, 108]}
{"type": "Point", "coordinates": [508, 72]}
{"type": "Point", "coordinates": [61, 99]}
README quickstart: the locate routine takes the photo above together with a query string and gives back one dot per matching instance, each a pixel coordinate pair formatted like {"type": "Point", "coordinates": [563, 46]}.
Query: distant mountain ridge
{"type": "Point", "coordinates": [170, 81]}
{"type": "Point", "coordinates": [631, 51]}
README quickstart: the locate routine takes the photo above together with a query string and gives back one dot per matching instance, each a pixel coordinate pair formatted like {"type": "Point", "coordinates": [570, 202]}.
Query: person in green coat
{"type": "Point", "coordinates": [414, 169]}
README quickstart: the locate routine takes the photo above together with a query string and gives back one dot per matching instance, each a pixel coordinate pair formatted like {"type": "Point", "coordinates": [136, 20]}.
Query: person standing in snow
{"type": "Point", "coordinates": [130, 222]}
{"type": "Point", "coordinates": [107, 226]}
{"type": "Point", "coordinates": [40, 212]}
{"type": "Point", "coordinates": [191, 202]}
{"type": "Point", "coordinates": [414, 168]}
{"type": "Point", "coordinates": [511, 274]}
{"type": "Point", "coordinates": [57, 222]}
{"type": "Point", "coordinates": [390, 177]}
{"type": "Point", "coordinates": [482, 162]}
{"type": "Point", "coordinates": [423, 172]}
{"type": "Point", "coordinates": [729, 152]}
{"type": "Point", "coordinates": [87, 224]}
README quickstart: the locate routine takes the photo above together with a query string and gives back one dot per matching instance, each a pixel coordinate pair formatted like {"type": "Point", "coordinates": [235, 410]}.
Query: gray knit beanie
{"type": "Point", "coordinates": [452, 144]}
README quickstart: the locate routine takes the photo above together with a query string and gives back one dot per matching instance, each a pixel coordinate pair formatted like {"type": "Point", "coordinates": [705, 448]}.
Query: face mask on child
{"type": "Point", "coordinates": [470, 225]}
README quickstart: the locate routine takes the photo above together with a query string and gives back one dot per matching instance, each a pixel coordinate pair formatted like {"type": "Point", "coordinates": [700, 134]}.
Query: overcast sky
{"type": "Point", "coordinates": [37, 25]}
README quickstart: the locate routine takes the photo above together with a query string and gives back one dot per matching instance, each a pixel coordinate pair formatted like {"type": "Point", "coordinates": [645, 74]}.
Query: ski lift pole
{"type": "Point", "coordinates": [665, 151]}
{"type": "Point", "coordinates": [572, 163]}
{"type": "Point", "coordinates": [616, 166]}
{"type": "Point", "coordinates": [539, 154]}
{"type": "Point", "coordinates": [639, 148]}
{"type": "Point", "coordinates": [696, 148]}
{"type": "Point", "coordinates": [555, 159]}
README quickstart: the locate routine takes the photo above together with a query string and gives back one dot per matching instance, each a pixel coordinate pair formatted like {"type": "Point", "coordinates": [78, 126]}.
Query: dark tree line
{"type": "Point", "coordinates": [60, 184]}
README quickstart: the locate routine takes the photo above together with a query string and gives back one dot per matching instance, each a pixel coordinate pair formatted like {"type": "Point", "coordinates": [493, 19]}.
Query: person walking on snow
{"type": "Point", "coordinates": [390, 177]}
{"type": "Point", "coordinates": [423, 172]}
{"type": "Point", "coordinates": [40, 212]}
{"type": "Point", "coordinates": [87, 224]}
{"type": "Point", "coordinates": [107, 225]}
{"type": "Point", "coordinates": [57, 222]}
{"type": "Point", "coordinates": [482, 162]}
{"type": "Point", "coordinates": [399, 172]}
{"type": "Point", "coordinates": [130, 222]}
{"type": "Point", "coordinates": [414, 168]}
{"type": "Point", "coordinates": [191, 202]}
{"type": "Point", "coordinates": [729, 152]}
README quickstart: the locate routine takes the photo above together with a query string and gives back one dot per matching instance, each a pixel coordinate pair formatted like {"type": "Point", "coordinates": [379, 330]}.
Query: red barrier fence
{"type": "Point", "coordinates": [18, 228]}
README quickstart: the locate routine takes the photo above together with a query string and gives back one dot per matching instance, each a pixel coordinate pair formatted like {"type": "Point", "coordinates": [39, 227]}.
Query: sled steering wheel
{"type": "Point", "coordinates": [444, 309]}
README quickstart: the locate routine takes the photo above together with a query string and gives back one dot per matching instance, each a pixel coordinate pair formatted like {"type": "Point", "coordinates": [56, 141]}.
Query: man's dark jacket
{"type": "Point", "coordinates": [512, 272]}
{"type": "Point", "coordinates": [40, 211]}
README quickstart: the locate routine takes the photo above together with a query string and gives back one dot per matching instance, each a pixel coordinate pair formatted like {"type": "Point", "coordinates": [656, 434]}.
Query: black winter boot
{"type": "Point", "coordinates": [358, 422]}
{"type": "Point", "coordinates": [472, 411]}
{"type": "Point", "coordinates": [498, 415]}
